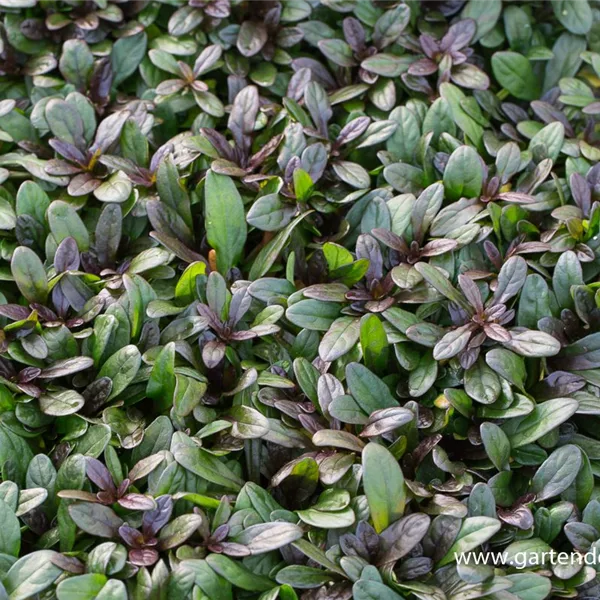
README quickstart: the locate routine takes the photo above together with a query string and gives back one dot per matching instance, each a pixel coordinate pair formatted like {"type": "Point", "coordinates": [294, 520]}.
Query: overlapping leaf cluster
{"type": "Point", "coordinates": [299, 299]}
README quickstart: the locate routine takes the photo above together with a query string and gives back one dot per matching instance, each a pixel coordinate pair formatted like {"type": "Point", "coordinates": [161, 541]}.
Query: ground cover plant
{"type": "Point", "coordinates": [299, 299]}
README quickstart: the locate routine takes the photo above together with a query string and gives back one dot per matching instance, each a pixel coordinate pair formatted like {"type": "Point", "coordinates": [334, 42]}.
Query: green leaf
{"type": "Point", "coordinates": [463, 175]}
{"type": "Point", "coordinates": [269, 213]}
{"type": "Point", "coordinates": [161, 384]}
{"type": "Point", "coordinates": [548, 142]}
{"type": "Point", "coordinates": [302, 577]}
{"type": "Point", "coordinates": [482, 383]}
{"type": "Point", "coordinates": [76, 63]}
{"type": "Point", "coordinates": [207, 466]}
{"type": "Point", "coordinates": [567, 273]}
{"type": "Point", "coordinates": [497, 445]}
{"type": "Point", "coordinates": [365, 589]}
{"type": "Point", "coordinates": [557, 473]}
{"type": "Point", "coordinates": [507, 365]}
{"type": "Point", "coordinates": [374, 342]}
{"type": "Point", "coordinates": [121, 368]}
{"type": "Point", "coordinates": [61, 402]}
{"type": "Point", "coordinates": [313, 314]}
{"type": "Point", "coordinates": [543, 419]}
{"type": "Point", "coordinates": [225, 220]}
{"type": "Point", "coordinates": [473, 532]}
{"type": "Point", "coordinates": [338, 51]}
{"type": "Point", "coordinates": [32, 200]}
{"type": "Point", "coordinates": [95, 519]}
{"type": "Point", "coordinates": [339, 519]}
{"type": "Point", "coordinates": [31, 575]}
{"type": "Point", "coordinates": [581, 490]}
{"type": "Point", "coordinates": [529, 586]}
{"type": "Point", "coordinates": [485, 14]}
{"type": "Point", "coordinates": [81, 587]}
{"type": "Point", "coordinates": [238, 575]}
{"type": "Point", "coordinates": [575, 15]}
{"type": "Point", "coordinates": [435, 278]}
{"type": "Point", "coordinates": [387, 65]}
{"type": "Point", "coordinates": [178, 531]}
{"type": "Point", "coordinates": [526, 553]}
{"type": "Point", "coordinates": [456, 100]}
{"type": "Point", "coordinates": [30, 275]}
{"type": "Point", "coordinates": [127, 53]}
{"type": "Point", "coordinates": [65, 222]}
{"type": "Point", "coordinates": [515, 73]}
{"type": "Point", "coordinates": [370, 392]}
{"type": "Point", "coordinates": [269, 253]}
{"type": "Point", "coordinates": [171, 192]}
{"type": "Point", "coordinates": [534, 344]}
{"type": "Point", "coordinates": [10, 534]}
{"type": "Point", "coordinates": [64, 121]}
{"type": "Point", "coordinates": [534, 301]}
{"type": "Point", "coordinates": [340, 338]}
{"type": "Point", "coordinates": [384, 485]}
{"type": "Point", "coordinates": [265, 537]}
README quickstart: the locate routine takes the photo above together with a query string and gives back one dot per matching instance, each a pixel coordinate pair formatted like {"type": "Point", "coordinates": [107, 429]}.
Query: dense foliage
{"type": "Point", "coordinates": [299, 299]}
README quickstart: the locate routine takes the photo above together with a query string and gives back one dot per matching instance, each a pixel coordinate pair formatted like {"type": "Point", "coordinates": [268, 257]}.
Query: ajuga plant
{"type": "Point", "coordinates": [299, 299]}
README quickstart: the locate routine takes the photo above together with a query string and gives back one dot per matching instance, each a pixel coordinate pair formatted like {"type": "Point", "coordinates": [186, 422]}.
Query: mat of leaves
{"type": "Point", "coordinates": [299, 299]}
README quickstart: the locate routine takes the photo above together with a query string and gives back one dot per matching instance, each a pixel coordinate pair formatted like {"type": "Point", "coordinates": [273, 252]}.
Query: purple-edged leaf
{"type": "Point", "coordinates": [78, 495]}
{"type": "Point", "coordinates": [16, 312]}
{"type": "Point", "coordinates": [60, 167]}
{"type": "Point", "coordinates": [497, 332]}
{"type": "Point", "coordinates": [368, 248]}
{"type": "Point", "coordinates": [99, 474]}
{"type": "Point", "coordinates": [581, 191]}
{"type": "Point", "coordinates": [354, 33]}
{"type": "Point", "coordinates": [66, 257]}
{"type": "Point", "coordinates": [154, 520]}
{"type": "Point", "coordinates": [101, 82]}
{"type": "Point", "coordinates": [435, 278]}
{"type": "Point", "coordinates": [67, 366]}
{"type": "Point", "coordinates": [207, 59]}
{"type": "Point", "coordinates": [390, 25]}
{"type": "Point", "coordinates": [453, 342]}
{"type": "Point", "coordinates": [516, 197]}
{"type": "Point", "coordinates": [471, 291]}
{"type": "Point", "coordinates": [213, 353]}
{"type": "Point", "coordinates": [423, 68]}
{"type": "Point", "coordinates": [68, 151]}
{"type": "Point", "coordinates": [317, 103]}
{"type": "Point", "coordinates": [83, 184]}
{"type": "Point", "coordinates": [510, 280]}
{"type": "Point", "coordinates": [179, 530]}
{"type": "Point", "coordinates": [437, 247]}
{"type": "Point", "coordinates": [96, 519]}
{"type": "Point", "coordinates": [131, 536]}
{"type": "Point", "coordinates": [170, 86]}
{"type": "Point", "coordinates": [145, 466]}
{"type": "Point", "coordinates": [252, 37]}
{"type": "Point", "coordinates": [533, 343]}
{"type": "Point", "coordinates": [257, 159]}
{"type": "Point", "coordinates": [143, 557]}
{"type": "Point", "coordinates": [386, 420]}
{"type": "Point", "coordinates": [352, 130]}
{"type": "Point", "coordinates": [109, 131]}
{"type": "Point", "coordinates": [470, 77]}
{"type": "Point", "coordinates": [137, 502]}
{"type": "Point", "coordinates": [459, 35]}
{"type": "Point", "coordinates": [338, 51]}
